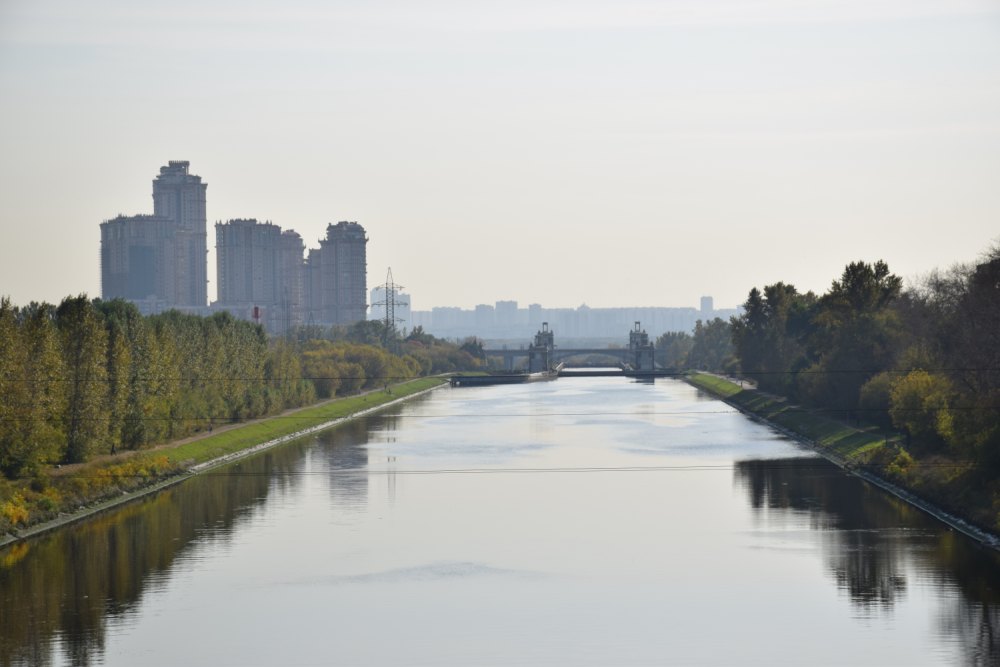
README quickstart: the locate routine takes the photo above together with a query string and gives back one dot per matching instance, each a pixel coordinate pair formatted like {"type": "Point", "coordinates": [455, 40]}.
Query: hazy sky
{"type": "Point", "coordinates": [609, 152]}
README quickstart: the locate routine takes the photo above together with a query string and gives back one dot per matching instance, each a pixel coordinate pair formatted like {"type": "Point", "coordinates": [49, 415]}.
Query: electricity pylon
{"type": "Point", "coordinates": [390, 292]}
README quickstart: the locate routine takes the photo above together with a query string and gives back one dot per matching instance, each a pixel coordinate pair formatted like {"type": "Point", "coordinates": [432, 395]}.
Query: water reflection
{"type": "Point", "coordinates": [346, 457]}
{"type": "Point", "coordinates": [874, 543]}
{"type": "Point", "coordinates": [98, 590]}
{"type": "Point", "coordinates": [71, 584]}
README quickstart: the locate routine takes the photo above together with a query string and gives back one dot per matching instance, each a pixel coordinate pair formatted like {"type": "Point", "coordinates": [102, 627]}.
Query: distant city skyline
{"type": "Point", "coordinates": [160, 262]}
{"type": "Point", "coordinates": [511, 321]}
{"type": "Point", "coordinates": [610, 153]}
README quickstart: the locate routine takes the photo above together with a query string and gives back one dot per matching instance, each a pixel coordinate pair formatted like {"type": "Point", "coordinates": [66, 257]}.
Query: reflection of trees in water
{"type": "Point", "coordinates": [975, 613]}
{"type": "Point", "coordinates": [72, 582]}
{"type": "Point", "coordinates": [347, 456]}
{"type": "Point", "coordinates": [978, 625]}
{"type": "Point", "coordinates": [867, 563]}
{"type": "Point", "coordinates": [874, 535]}
{"type": "Point", "coordinates": [382, 430]}
{"type": "Point", "coordinates": [385, 426]}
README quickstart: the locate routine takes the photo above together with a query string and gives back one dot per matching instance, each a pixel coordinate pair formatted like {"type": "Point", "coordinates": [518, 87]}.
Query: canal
{"type": "Point", "coordinates": [579, 522]}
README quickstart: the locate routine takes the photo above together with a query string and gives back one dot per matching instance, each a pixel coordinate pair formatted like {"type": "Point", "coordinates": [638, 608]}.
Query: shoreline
{"type": "Point", "coordinates": [61, 521]}
{"type": "Point", "coordinates": [984, 537]}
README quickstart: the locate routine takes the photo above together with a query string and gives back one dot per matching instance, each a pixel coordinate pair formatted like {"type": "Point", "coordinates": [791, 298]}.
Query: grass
{"type": "Point", "coordinates": [848, 443]}
{"type": "Point", "coordinates": [252, 434]}
{"type": "Point", "coordinates": [714, 385]}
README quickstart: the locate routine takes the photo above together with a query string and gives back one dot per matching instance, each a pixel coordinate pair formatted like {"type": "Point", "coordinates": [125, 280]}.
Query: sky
{"type": "Point", "coordinates": [607, 152]}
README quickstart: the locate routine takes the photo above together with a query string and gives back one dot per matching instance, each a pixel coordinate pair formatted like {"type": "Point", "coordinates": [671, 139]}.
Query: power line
{"type": "Point", "coordinates": [364, 378]}
{"type": "Point", "coordinates": [821, 465]}
{"type": "Point", "coordinates": [228, 419]}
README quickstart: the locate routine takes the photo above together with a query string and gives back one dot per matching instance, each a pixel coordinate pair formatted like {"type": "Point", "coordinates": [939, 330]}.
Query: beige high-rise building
{"type": "Point", "coordinates": [159, 261]}
{"type": "Point", "coordinates": [260, 273]}
{"type": "Point", "coordinates": [291, 279]}
{"type": "Point", "coordinates": [336, 276]}
{"type": "Point", "coordinates": [137, 261]}
{"type": "Point", "coordinates": [180, 196]}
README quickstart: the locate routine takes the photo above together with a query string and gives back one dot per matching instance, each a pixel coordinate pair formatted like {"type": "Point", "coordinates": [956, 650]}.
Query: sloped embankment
{"type": "Point", "coordinates": [952, 490]}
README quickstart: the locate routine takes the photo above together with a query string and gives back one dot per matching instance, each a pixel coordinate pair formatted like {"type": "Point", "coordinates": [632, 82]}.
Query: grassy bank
{"type": "Point", "coordinates": [62, 494]}
{"type": "Point", "coordinates": [935, 483]}
{"type": "Point", "coordinates": [249, 435]}
{"type": "Point", "coordinates": [849, 444]}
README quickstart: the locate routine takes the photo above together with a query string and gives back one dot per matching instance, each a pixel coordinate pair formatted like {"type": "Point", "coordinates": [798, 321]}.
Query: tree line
{"type": "Point", "coordinates": [924, 359]}
{"type": "Point", "coordinates": [89, 377]}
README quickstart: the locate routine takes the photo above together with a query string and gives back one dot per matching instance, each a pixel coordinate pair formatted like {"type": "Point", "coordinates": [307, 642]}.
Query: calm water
{"type": "Point", "coordinates": [577, 522]}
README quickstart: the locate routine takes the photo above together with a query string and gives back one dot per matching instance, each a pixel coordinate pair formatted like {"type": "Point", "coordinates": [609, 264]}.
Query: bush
{"type": "Point", "coordinates": [875, 399]}
{"type": "Point", "coordinates": [15, 511]}
{"type": "Point", "coordinates": [919, 404]}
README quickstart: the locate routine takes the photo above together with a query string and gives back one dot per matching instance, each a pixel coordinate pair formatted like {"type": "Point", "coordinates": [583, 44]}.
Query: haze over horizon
{"type": "Point", "coordinates": [631, 153]}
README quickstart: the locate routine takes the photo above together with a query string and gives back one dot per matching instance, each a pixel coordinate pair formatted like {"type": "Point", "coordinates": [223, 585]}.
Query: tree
{"type": "Point", "coordinates": [854, 337]}
{"type": "Point", "coordinates": [366, 332]}
{"type": "Point", "coordinates": [919, 404]}
{"type": "Point", "coordinates": [84, 343]}
{"type": "Point", "coordinates": [30, 389]}
{"type": "Point", "coordinates": [875, 399]}
{"type": "Point", "coordinates": [673, 348]}
{"type": "Point", "coordinates": [712, 349]}
{"type": "Point", "coordinates": [969, 343]}
{"type": "Point", "coordinates": [473, 347]}
{"type": "Point", "coordinates": [418, 335]}
{"type": "Point", "coordinates": [750, 333]}
{"type": "Point", "coordinates": [768, 336]}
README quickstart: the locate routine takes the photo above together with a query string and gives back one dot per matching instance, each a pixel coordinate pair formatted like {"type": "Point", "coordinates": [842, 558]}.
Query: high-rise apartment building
{"type": "Point", "coordinates": [137, 261]}
{"type": "Point", "coordinates": [260, 273]}
{"type": "Point", "coordinates": [247, 254]}
{"type": "Point", "coordinates": [180, 196]}
{"type": "Point", "coordinates": [159, 260]}
{"type": "Point", "coordinates": [336, 281]}
{"type": "Point", "coordinates": [291, 279]}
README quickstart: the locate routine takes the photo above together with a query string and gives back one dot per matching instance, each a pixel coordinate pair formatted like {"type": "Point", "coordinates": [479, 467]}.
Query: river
{"type": "Point", "coordinates": [596, 521]}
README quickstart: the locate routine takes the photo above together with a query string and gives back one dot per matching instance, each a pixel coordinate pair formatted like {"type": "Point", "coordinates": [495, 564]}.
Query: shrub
{"type": "Point", "coordinates": [14, 511]}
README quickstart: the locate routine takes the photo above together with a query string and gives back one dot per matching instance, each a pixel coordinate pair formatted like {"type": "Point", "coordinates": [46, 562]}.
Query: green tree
{"type": "Point", "coordinates": [969, 344]}
{"type": "Point", "coordinates": [673, 348]}
{"type": "Point", "coordinates": [768, 336]}
{"type": "Point", "coordinates": [855, 335]}
{"type": "Point", "coordinates": [473, 346]}
{"type": "Point", "coordinates": [84, 344]}
{"type": "Point", "coordinates": [30, 389]}
{"type": "Point", "coordinates": [919, 404]}
{"type": "Point", "coordinates": [712, 349]}
{"type": "Point", "coordinates": [875, 399]}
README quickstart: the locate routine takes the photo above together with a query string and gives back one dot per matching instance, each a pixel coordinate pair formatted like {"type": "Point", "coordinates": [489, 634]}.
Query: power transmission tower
{"type": "Point", "coordinates": [390, 297]}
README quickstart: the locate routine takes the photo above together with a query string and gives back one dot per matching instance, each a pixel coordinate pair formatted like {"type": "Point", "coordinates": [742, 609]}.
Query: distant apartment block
{"type": "Point", "coordinates": [259, 273]}
{"type": "Point", "coordinates": [158, 261]}
{"type": "Point", "coordinates": [180, 197]}
{"type": "Point", "coordinates": [292, 274]}
{"type": "Point", "coordinates": [336, 276]}
{"type": "Point", "coordinates": [138, 261]}
{"type": "Point", "coordinates": [506, 322]}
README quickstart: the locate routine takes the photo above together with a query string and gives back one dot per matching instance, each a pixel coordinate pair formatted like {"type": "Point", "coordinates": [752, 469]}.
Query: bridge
{"type": "Point", "coordinates": [543, 355]}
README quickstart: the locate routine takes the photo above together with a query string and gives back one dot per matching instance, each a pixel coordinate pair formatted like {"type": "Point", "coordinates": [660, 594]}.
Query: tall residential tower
{"type": "Point", "coordinates": [336, 272]}
{"type": "Point", "coordinates": [260, 273]}
{"type": "Point", "coordinates": [180, 197]}
{"type": "Point", "coordinates": [159, 261]}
